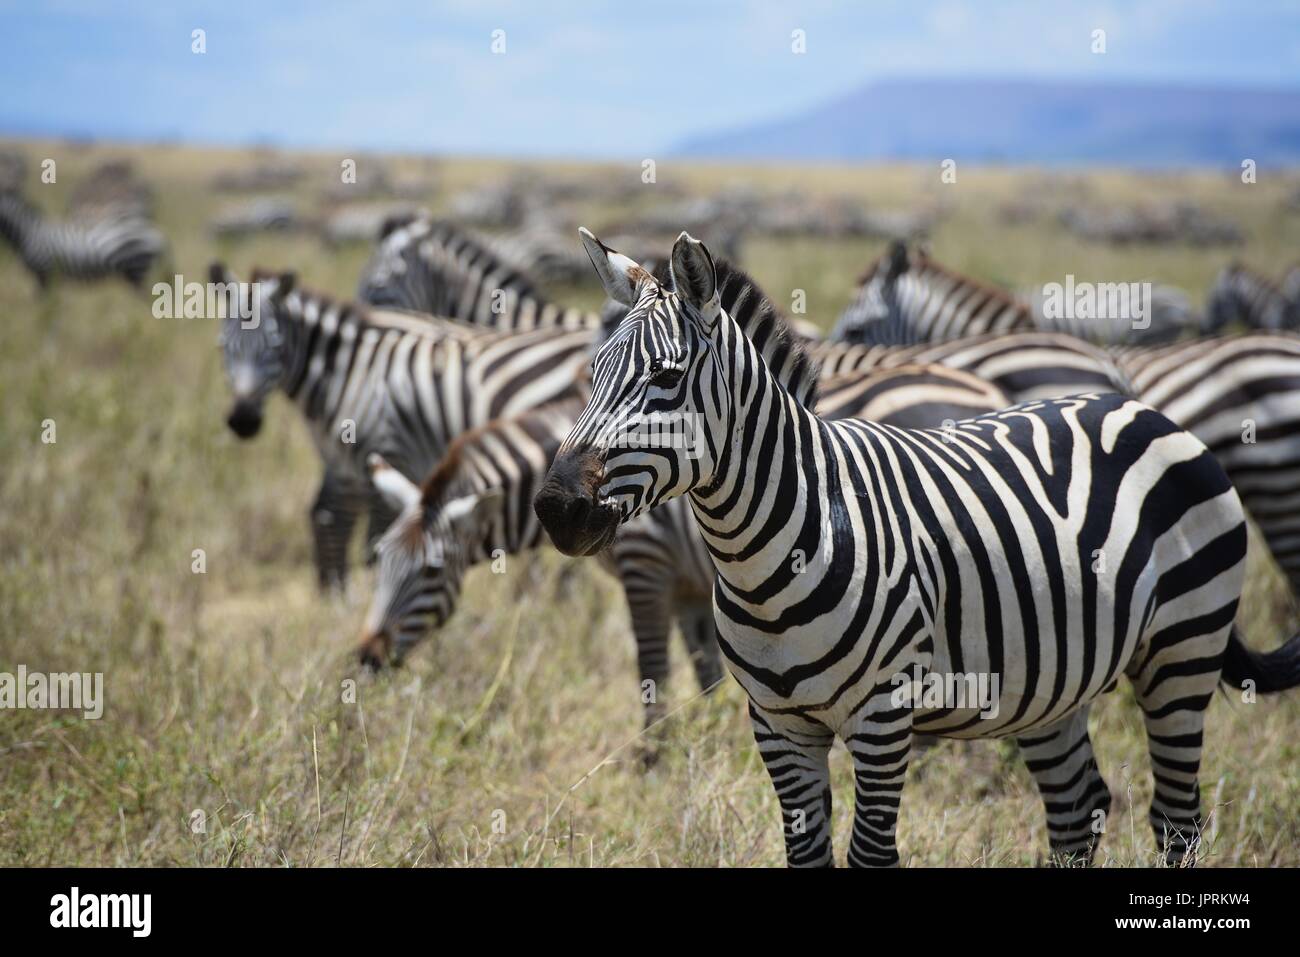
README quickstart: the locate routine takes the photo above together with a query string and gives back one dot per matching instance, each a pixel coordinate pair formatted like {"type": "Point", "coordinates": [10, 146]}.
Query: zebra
{"type": "Point", "coordinates": [1050, 547]}
{"type": "Point", "coordinates": [904, 298]}
{"type": "Point", "coordinates": [542, 252]}
{"type": "Point", "coordinates": [907, 298]}
{"type": "Point", "coordinates": [401, 385]}
{"type": "Point", "coordinates": [475, 505]}
{"type": "Point", "coordinates": [430, 266]}
{"type": "Point", "coordinates": [1241, 295]}
{"type": "Point", "coordinates": [124, 246]}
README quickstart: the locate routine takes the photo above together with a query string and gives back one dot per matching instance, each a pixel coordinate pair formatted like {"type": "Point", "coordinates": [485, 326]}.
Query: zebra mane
{"type": "Point", "coordinates": [448, 474]}
{"type": "Point", "coordinates": [921, 258]}
{"type": "Point", "coordinates": [770, 331]}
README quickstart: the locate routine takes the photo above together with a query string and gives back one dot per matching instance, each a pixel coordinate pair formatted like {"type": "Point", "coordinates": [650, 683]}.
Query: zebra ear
{"type": "Point", "coordinates": [469, 512]}
{"type": "Point", "coordinates": [898, 261]}
{"type": "Point", "coordinates": [695, 279]}
{"type": "Point", "coordinates": [620, 276]}
{"type": "Point", "coordinates": [284, 284]}
{"type": "Point", "coordinates": [397, 490]}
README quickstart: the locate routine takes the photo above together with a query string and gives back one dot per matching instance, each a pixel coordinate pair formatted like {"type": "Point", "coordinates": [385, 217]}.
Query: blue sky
{"type": "Point", "coordinates": [581, 78]}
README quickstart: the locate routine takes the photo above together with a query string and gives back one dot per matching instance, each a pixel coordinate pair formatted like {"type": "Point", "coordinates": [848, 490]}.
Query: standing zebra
{"type": "Point", "coordinates": [1043, 550]}
{"type": "Point", "coordinates": [425, 265]}
{"type": "Point", "coordinates": [1241, 295]}
{"type": "Point", "coordinates": [370, 382]}
{"type": "Point", "coordinates": [475, 505]}
{"type": "Point", "coordinates": [124, 246]}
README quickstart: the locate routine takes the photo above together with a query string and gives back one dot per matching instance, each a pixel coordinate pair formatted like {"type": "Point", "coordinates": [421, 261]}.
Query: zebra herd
{"type": "Point", "coordinates": [1003, 501]}
{"type": "Point", "coordinates": [948, 484]}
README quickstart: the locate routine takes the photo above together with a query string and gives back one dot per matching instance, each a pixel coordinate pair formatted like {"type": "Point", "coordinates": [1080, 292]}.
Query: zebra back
{"type": "Point", "coordinates": [431, 266]}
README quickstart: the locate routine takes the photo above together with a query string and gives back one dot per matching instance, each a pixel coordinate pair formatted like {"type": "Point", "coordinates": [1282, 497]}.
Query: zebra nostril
{"type": "Point", "coordinates": [579, 509]}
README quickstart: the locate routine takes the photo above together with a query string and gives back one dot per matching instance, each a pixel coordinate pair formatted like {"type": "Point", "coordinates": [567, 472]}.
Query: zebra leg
{"type": "Point", "coordinates": [1173, 687]}
{"type": "Point", "coordinates": [700, 632]}
{"type": "Point", "coordinates": [333, 516]}
{"type": "Point", "coordinates": [1061, 759]}
{"type": "Point", "coordinates": [879, 738]}
{"type": "Point", "coordinates": [796, 753]}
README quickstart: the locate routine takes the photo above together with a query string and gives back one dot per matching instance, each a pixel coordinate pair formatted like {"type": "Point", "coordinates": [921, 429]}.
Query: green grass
{"type": "Point", "coordinates": [511, 738]}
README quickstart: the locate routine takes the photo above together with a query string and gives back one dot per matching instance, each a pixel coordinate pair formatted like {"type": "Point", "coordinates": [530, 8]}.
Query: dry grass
{"type": "Point", "coordinates": [508, 740]}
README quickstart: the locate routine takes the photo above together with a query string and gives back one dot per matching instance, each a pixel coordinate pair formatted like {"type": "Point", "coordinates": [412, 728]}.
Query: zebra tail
{"type": "Point", "coordinates": [1270, 671]}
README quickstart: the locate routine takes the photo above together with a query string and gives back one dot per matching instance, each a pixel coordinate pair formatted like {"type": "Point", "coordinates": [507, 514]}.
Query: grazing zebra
{"type": "Point", "coordinates": [366, 381]}
{"type": "Point", "coordinates": [476, 505]}
{"type": "Point", "coordinates": [124, 246]}
{"type": "Point", "coordinates": [1241, 295]}
{"type": "Point", "coordinates": [1042, 551]}
{"type": "Point", "coordinates": [905, 298]}
{"type": "Point", "coordinates": [425, 265]}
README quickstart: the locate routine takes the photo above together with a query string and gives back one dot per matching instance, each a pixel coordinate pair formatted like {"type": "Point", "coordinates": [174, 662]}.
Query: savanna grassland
{"type": "Point", "coordinates": [511, 739]}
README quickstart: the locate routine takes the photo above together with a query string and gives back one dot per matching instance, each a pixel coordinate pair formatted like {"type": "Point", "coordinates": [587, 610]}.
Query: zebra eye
{"type": "Point", "coordinates": [665, 378]}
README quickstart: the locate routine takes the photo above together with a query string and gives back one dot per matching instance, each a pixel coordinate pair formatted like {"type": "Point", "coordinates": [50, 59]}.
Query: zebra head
{"type": "Point", "coordinates": [421, 560]}
{"type": "Point", "coordinates": [656, 401]}
{"type": "Point", "coordinates": [252, 345]}
{"type": "Point", "coordinates": [875, 311]}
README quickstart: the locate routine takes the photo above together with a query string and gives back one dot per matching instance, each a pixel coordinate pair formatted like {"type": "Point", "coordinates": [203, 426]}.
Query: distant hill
{"type": "Point", "coordinates": [1021, 121]}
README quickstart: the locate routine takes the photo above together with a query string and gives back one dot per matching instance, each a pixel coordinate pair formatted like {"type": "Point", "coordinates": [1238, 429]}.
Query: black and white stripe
{"type": "Point", "coordinates": [1056, 545]}
{"type": "Point", "coordinates": [109, 245]}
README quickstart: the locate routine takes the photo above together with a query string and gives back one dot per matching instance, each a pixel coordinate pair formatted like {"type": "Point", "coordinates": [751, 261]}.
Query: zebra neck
{"type": "Point", "coordinates": [312, 331]}
{"type": "Point", "coordinates": [775, 507]}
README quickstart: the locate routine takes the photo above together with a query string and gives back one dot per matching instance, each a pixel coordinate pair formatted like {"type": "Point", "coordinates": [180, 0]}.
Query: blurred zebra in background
{"type": "Point", "coordinates": [398, 384]}
{"type": "Point", "coordinates": [906, 298]}
{"type": "Point", "coordinates": [1146, 312]}
{"type": "Point", "coordinates": [431, 266]}
{"type": "Point", "coordinates": [109, 245]}
{"type": "Point", "coordinates": [542, 251]}
{"type": "Point", "coordinates": [1242, 295]}
{"type": "Point", "coordinates": [476, 505]}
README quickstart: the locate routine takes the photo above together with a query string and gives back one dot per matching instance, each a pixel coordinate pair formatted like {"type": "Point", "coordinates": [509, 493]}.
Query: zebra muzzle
{"type": "Point", "coordinates": [245, 419]}
{"type": "Point", "coordinates": [569, 509]}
